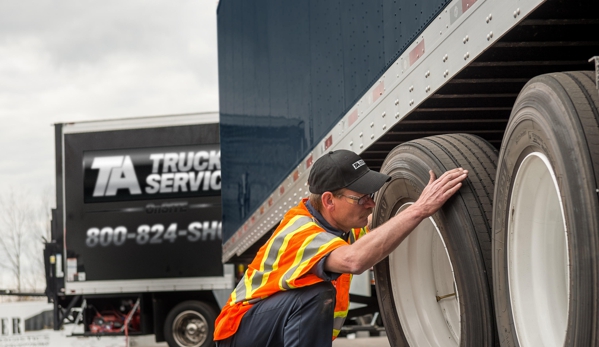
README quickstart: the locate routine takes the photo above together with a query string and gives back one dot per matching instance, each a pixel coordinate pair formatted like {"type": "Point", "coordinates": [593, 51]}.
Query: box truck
{"type": "Point", "coordinates": [136, 233]}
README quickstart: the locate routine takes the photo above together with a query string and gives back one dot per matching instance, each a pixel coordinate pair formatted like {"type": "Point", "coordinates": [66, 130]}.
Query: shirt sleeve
{"type": "Point", "coordinates": [319, 271]}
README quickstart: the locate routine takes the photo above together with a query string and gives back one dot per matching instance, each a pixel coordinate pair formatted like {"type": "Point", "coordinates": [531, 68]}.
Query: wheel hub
{"type": "Point", "coordinates": [190, 329]}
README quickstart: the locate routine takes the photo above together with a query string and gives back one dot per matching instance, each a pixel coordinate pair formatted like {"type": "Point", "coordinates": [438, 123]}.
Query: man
{"type": "Point", "coordinates": [296, 290]}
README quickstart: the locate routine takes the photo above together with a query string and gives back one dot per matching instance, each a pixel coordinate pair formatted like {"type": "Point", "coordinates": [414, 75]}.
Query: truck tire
{"type": "Point", "coordinates": [546, 215]}
{"type": "Point", "coordinates": [434, 289]}
{"type": "Point", "coordinates": [190, 324]}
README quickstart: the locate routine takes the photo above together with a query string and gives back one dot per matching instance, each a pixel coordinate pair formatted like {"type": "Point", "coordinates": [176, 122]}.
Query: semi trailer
{"type": "Point", "coordinates": [504, 88]}
{"type": "Point", "coordinates": [136, 233]}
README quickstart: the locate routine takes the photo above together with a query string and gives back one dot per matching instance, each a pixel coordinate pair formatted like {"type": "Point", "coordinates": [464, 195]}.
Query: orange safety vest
{"type": "Point", "coordinates": [283, 263]}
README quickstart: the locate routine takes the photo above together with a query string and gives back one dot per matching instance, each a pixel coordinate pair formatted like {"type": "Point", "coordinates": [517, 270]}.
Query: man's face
{"type": "Point", "coordinates": [352, 210]}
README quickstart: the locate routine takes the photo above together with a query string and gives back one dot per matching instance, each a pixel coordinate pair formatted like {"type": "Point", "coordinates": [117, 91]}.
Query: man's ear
{"type": "Point", "coordinates": [327, 201]}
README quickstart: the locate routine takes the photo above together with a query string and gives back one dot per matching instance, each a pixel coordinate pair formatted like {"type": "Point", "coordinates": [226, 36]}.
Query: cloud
{"type": "Point", "coordinates": [73, 60]}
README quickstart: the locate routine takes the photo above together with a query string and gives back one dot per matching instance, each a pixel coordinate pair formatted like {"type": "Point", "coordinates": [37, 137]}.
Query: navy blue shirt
{"type": "Point", "coordinates": [318, 269]}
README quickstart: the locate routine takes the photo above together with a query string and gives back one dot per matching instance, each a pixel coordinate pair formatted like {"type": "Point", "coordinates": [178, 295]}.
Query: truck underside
{"type": "Point", "coordinates": [558, 36]}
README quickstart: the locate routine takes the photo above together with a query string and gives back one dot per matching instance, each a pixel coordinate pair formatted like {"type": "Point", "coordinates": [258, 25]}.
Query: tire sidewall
{"type": "Point", "coordinates": [539, 123]}
{"type": "Point", "coordinates": [409, 171]}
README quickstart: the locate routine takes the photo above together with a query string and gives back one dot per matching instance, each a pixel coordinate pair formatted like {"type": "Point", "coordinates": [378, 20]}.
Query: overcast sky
{"type": "Point", "coordinates": [73, 60]}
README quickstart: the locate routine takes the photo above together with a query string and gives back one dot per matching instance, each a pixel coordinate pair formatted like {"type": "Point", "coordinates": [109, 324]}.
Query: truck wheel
{"type": "Point", "coordinates": [190, 324]}
{"type": "Point", "coordinates": [434, 289]}
{"type": "Point", "coordinates": [546, 215]}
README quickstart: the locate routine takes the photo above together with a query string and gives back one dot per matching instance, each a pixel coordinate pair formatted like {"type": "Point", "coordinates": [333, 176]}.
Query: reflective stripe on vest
{"type": "Point", "coordinates": [284, 263]}
{"type": "Point", "coordinates": [274, 248]}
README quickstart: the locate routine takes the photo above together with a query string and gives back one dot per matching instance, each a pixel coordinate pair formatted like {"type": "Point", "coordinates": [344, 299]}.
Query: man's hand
{"type": "Point", "coordinates": [376, 245]}
{"type": "Point", "coordinates": [438, 191]}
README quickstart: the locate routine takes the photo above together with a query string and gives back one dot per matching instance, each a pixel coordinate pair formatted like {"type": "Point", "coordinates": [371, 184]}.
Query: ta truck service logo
{"type": "Point", "coordinates": [151, 173]}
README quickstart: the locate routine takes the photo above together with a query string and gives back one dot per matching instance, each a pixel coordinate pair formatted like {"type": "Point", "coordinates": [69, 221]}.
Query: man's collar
{"type": "Point", "coordinates": [319, 219]}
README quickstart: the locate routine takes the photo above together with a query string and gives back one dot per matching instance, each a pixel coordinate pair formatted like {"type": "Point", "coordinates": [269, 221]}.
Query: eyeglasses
{"type": "Point", "coordinates": [358, 200]}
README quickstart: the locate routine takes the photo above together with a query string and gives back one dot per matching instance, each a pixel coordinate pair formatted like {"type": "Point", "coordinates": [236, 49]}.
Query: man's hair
{"type": "Point", "coordinates": [316, 199]}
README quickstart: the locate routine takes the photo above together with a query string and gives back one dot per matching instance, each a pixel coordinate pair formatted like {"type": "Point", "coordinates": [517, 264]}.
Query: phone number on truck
{"type": "Point", "coordinates": [154, 234]}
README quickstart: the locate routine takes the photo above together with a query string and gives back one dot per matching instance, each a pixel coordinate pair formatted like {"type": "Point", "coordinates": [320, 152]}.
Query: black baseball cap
{"type": "Point", "coordinates": [344, 169]}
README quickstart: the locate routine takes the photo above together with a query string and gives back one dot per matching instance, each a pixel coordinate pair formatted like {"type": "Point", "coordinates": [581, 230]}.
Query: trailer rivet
{"type": "Point", "coordinates": [371, 124]}
{"type": "Point", "coordinates": [385, 127]}
{"type": "Point", "coordinates": [396, 102]}
{"type": "Point", "coordinates": [361, 134]}
{"type": "Point", "coordinates": [384, 114]}
{"type": "Point", "coordinates": [372, 137]}
{"type": "Point", "coordinates": [397, 115]}
{"type": "Point", "coordinates": [361, 145]}
{"type": "Point", "coordinates": [490, 16]}
{"type": "Point", "coordinates": [351, 143]}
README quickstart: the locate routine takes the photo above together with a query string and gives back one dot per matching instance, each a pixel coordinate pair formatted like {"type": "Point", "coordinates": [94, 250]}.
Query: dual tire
{"type": "Point", "coordinates": [518, 244]}
{"type": "Point", "coordinates": [435, 289]}
{"type": "Point", "coordinates": [546, 215]}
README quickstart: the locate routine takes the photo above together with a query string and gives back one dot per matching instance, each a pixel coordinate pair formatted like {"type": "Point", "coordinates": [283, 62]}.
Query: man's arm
{"type": "Point", "coordinates": [376, 245]}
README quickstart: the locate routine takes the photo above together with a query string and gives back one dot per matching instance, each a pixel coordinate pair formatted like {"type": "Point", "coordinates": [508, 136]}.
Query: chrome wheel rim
{"type": "Point", "coordinates": [190, 329]}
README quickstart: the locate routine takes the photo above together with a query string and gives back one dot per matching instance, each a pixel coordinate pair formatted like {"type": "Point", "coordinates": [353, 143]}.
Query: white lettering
{"type": "Point", "coordinates": [214, 160]}
{"type": "Point", "coordinates": [358, 164]}
{"type": "Point", "coordinates": [215, 181]}
{"type": "Point", "coordinates": [123, 178]}
{"type": "Point", "coordinates": [105, 166]}
{"type": "Point", "coordinates": [194, 182]}
{"type": "Point", "coordinates": [213, 229]}
{"type": "Point", "coordinates": [195, 229]}
{"type": "Point", "coordinates": [152, 181]}
{"type": "Point", "coordinates": [181, 179]}
{"type": "Point", "coordinates": [166, 183]}
{"type": "Point", "coordinates": [200, 161]}
{"type": "Point", "coordinates": [156, 161]}
{"type": "Point", "coordinates": [206, 180]}
{"type": "Point", "coordinates": [185, 166]}
{"type": "Point", "coordinates": [170, 162]}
